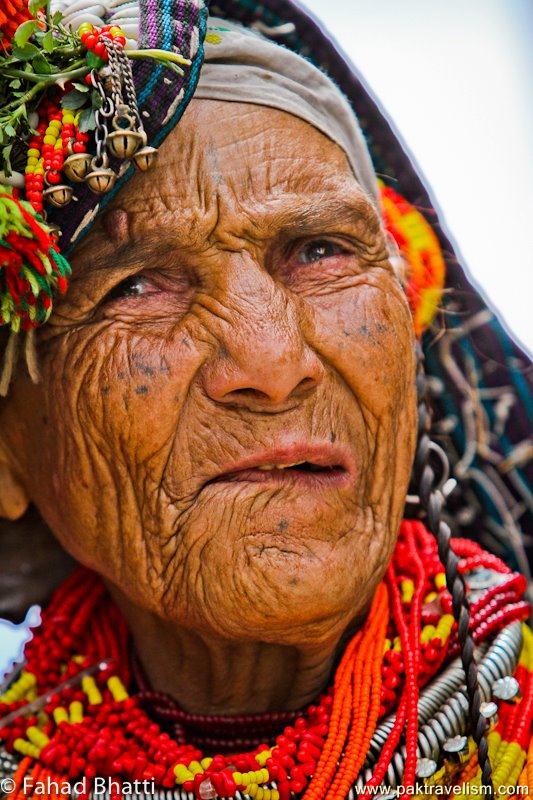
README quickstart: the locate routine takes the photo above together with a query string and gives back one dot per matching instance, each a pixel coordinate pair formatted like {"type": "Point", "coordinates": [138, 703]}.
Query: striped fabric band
{"type": "Point", "coordinates": [178, 25]}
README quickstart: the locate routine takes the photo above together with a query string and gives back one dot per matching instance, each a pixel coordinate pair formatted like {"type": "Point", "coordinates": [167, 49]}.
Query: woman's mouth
{"type": "Point", "coordinates": [315, 466]}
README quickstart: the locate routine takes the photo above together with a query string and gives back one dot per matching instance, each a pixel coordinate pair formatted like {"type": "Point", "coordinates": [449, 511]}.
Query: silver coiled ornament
{"type": "Point", "coordinates": [443, 706]}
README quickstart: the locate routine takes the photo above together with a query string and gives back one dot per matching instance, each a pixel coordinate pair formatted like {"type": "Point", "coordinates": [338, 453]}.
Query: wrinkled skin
{"type": "Point", "coordinates": [264, 314]}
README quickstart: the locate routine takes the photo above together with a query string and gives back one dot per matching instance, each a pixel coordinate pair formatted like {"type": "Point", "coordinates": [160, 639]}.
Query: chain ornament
{"type": "Point", "coordinates": [119, 129]}
{"type": "Point", "coordinates": [432, 501]}
{"type": "Point", "coordinates": [128, 140]}
{"type": "Point", "coordinates": [101, 177]}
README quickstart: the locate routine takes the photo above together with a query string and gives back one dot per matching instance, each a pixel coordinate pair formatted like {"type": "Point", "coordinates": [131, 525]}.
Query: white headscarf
{"type": "Point", "coordinates": [243, 66]}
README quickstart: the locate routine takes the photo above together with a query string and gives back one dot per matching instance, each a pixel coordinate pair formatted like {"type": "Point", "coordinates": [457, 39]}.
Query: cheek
{"type": "Point", "coordinates": [366, 333]}
{"type": "Point", "coordinates": [112, 401]}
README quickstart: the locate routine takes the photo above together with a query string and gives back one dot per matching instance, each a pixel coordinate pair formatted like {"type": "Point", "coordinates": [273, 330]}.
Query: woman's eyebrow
{"type": "Point", "coordinates": [131, 253]}
{"type": "Point", "coordinates": [318, 212]}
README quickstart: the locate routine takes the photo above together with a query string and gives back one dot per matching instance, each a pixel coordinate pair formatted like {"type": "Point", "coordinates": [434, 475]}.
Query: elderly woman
{"type": "Point", "coordinates": [219, 421]}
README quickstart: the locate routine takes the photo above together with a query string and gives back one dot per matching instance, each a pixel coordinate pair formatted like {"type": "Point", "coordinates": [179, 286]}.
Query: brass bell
{"type": "Point", "coordinates": [77, 166]}
{"type": "Point", "coordinates": [58, 195]}
{"type": "Point", "coordinates": [145, 158]}
{"type": "Point", "coordinates": [124, 143]}
{"type": "Point", "coordinates": [101, 180]}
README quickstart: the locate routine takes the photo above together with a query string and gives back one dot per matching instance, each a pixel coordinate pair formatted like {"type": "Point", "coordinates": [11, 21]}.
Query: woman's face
{"type": "Point", "coordinates": [225, 424]}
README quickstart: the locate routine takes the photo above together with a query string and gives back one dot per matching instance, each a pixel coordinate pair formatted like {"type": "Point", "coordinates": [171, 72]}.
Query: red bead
{"type": "Point", "coordinates": [100, 50]}
{"type": "Point", "coordinates": [53, 176]}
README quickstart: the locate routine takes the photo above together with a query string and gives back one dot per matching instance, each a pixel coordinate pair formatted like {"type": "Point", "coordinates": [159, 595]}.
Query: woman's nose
{"type": "Point", "coordinates": [264, 364]}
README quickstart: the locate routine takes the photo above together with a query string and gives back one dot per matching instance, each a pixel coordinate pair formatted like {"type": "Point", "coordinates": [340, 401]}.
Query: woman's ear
{"type": "Point", "coordinates": [13, 498]}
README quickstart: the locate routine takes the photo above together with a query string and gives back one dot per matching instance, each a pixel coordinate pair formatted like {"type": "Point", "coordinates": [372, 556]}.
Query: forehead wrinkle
{"type": "Point", "coordinates": [326, 211]}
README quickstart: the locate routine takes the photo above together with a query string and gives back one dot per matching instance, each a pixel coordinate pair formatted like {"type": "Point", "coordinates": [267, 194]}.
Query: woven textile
{"type": "Point", "coordinates": [162, 95]}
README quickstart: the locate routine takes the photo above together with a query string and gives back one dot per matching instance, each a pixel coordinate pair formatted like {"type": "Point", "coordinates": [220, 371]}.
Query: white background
{"type": "Point", "coordinates": [456, 77]}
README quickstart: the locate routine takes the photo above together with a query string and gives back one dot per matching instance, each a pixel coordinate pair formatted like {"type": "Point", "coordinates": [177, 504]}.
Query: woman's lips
{"type": "Point", "coordinates": [331, 476]}
{"type": "Point", "coordinates": [310, 466]}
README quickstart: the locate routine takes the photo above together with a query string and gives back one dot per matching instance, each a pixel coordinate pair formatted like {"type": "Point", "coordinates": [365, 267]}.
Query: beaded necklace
{"type": "Point", "coordinates": [74, 710]}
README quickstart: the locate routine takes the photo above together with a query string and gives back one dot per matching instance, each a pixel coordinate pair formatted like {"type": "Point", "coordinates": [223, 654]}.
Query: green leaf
{"type": "Point", "coordinates": [27, 52]}
{"type": "Point", "coordinates": [48, 41]}
{"type": "Point", "coordinates": [87, 121]}
{"type": "Point", "coordinates": [15, 83]}
{"type": "Point", "coordinates": [96, 99]}
{"type": "Point", "coordinates": [41, 66]}
{"type": "Point", "coordinates": [24, 31]}
{"type": "Point", "coordinates": [34, 6]}
{"type": "Point", "coordinates": [81, 87]}
{"type": "Point", "coordinates": [6, 159]}
{"type": "Point", "coordinates": [57, 17]}
{"type": "Point", "coordinates": [10, 130]}
{"type": "Point", "coordinates": [73, 100]}
{"type": "Point", "coordinates": [94, 61]}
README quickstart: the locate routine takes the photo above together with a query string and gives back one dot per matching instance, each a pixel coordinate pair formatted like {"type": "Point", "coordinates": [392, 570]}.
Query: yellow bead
{"type": "Point", "coordinates": [445, 626]}
{"type": "Point", "coordinates": [33, 152]}
{"type": "Point", "coordinates": [26, 748]}
{"type": "Point", "coordinates": [48, 139]}
{"type": "Point", "coordinates": [117, 689]}
{"type": "Point", "coordinates": [68, 118]}
{"type": "Point", "coordinates": [252, 789]}
{"type": "Point", "coordinates": [430, 597]}
{"type": "Point", "coordinates": [195, 767]}
{"type": "Point", "coordinates": [85, 27]}
{"type": "Point", "coordinates": [92, 691]}
{"type": "Point", "coordinates": [206, 762]}
{"type": "Point", "coordinates": [37, 736]}
{"type": "Point", "coordinates": [32, 161]}
{"type": "Point", "coordinates": [237, 777]}
{"type": "Point", "coordinates": [182, 774]}
{"type": "Point", "coordinates": [428, 632]}
{"type": "Point", "coordinates": [60, 715]}
{"type": "Point", "coordinates": [440, 580]}
{"type": "Point", "coordinates": [54, 125]}
{"type": "Point", "coordinates": [263, 757]}
{"type": "Point", "coordinates": [76, 712]}
{"type": "Point", "coordinates": [407, 590]}
{"type": "Point", "coordinates": [27, 171]}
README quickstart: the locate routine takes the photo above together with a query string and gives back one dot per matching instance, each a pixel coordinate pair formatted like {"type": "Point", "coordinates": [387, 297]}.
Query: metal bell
{"type": "Point", "coordinates": [58, 195]}
{"type": "Point", "coordinates": [124, 143]}
{"type": "Point", "coordinates": [101, 180]}
{"type": "Point", "coordinates": [77, 166]}
{"type": "Point", "coordinates": [145, 158]}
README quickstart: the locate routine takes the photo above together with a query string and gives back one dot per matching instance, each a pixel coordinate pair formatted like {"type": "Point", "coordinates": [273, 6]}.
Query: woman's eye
{"type": "Point", "coordinates": [133, 286]}
{"type": "Point", "coordinates": [318, 250]}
